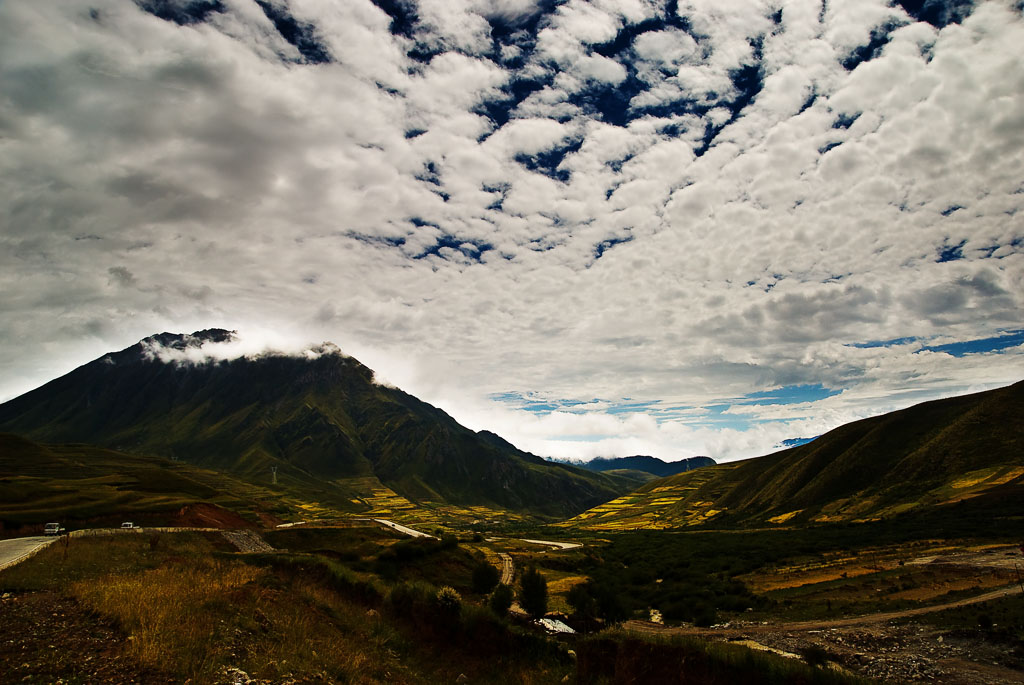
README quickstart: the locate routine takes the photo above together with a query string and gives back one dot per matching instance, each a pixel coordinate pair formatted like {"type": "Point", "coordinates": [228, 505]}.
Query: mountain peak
{"type": "Point", "coordinates": [235, 403]}
{"type": "Point", "coordinates": [216, 345]}
{"type": "Point", "coordinates": [181, 341]}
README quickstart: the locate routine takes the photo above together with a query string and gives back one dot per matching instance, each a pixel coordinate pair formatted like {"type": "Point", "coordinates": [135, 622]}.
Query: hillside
{"type": "Point", "coordinates": [319, 418]}
{"type": "Point", "coordinates": [82, 484]}
{"type": "Point", "coordinates": [964, 449]}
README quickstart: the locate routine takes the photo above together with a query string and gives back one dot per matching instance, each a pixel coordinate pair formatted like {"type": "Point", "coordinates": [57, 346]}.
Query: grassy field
{"type": "Point", "coordinates": [84, 485]}
{"type": "Point", "coordinates": [343, 605]}
{"type": "Point", "coordinates": [189, 608]}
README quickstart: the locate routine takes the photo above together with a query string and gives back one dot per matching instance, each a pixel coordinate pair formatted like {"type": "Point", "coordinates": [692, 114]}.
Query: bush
{"type": "Point", "coordinates": [412, 600]}
{"type": "Point", "coordinates": [501, 600]}
{"type": "Point", "coordinates": [704, 616]}
{"type": "Point", "coordinates": [485, 577]}
{"type": "Point", "coordinates": [449, 603]}
{"type": "Point", "coordinates": [582, 601]}
{"type": "Point", "coordinates": [333, 575]}
{"type": "Point", "coordinates": [590, 601]}
{"type": "Point", "coordinates": [533, 593]}
{"type": "Point", "coordinates": [814, 655]}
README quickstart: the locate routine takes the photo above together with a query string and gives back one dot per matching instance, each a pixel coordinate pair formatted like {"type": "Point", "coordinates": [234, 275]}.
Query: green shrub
{"type": "Point", "coordinates": [449, 603]}
{"type": "Point", "coordinates": [501, 600]}
{"type": "Point", "coordinates": [485, 577]}
{"type": "Point", "coordinates": [533, 593]}
{"type": "Point", "coordinates": [411, 600]}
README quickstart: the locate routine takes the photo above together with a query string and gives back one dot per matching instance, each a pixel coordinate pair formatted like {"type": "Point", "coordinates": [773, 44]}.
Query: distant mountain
{"type": "Point", "coordinates": [651, 465]}
{"type": "Point", "coordinates": [319, 417]}
{"type": "Point", "coordinates": [960, 451]}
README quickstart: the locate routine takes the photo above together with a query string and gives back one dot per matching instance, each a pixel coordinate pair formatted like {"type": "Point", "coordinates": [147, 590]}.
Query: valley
{"type": "Point", "coordinates": [293, 521]}
{"type": "Point", "coordinates": [512, 342]}
{"type": "Point", "coordinates": [358, 578]}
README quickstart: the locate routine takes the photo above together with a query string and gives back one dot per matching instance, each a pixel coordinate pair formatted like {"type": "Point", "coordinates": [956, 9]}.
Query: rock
{"type": "Point", "coordinates": [462, 678]}
{"type": "Point", "coordinates": [572, 654]}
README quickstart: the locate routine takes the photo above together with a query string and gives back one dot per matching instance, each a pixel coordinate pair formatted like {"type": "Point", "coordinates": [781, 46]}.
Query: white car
{"type": "Point", "coordinates": [52, 529]}
{"type": "Point", "coordinates": [128, 525]}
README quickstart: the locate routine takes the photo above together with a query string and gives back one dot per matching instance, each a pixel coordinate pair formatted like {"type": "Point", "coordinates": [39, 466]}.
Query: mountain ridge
{"type": "Point", "coordinates": [640, 462]}
{"type": "Point", "coordinates": [317, 416]}
{"type": "Point", "coordinates": [929, 455]}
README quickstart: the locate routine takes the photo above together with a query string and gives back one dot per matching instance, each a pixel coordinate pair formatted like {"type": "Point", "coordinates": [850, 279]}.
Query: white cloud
{"type": "Point", "coordinates": [164, 177]}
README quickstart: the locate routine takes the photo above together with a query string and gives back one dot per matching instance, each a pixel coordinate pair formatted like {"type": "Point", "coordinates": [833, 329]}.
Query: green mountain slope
{"type": "Point", "coordinates": [81, 484]}
{"type": "Point", "coordinates": [933, 454]}
{"type": "Point", "coordinates": [319, 418]}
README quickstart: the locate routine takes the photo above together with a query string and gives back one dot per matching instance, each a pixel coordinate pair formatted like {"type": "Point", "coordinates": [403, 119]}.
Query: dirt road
{"type": "Point", "coordinates": [507, 568]}
{"type": "Point", "coordinates": [874, 647]}
{"type": "Point", "coordinates": [648, 627]}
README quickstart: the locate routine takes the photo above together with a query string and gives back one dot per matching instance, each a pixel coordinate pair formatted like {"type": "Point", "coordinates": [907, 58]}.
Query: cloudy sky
{"type": "Point", "coordinates": [596, 228]}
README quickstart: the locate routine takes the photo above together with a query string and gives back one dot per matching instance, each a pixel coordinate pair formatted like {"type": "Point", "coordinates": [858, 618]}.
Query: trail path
{"type": "Point", "coordinates": [507, 568]}
{"type": "Point", "coordinates": [648, 627]}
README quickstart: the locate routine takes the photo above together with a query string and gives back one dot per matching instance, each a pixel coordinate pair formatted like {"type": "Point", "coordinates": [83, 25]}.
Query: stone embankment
{"type": "Point", "coordinates": [247, 541]}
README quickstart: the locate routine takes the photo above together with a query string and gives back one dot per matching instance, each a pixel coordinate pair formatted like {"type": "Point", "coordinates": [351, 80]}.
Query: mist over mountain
{"type": "Point", "coordinates": [318, 416]}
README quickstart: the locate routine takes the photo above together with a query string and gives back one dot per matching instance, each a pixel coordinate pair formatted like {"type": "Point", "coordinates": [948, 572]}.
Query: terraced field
{"type": "Point", "coordinates": [952, 458]}
{"type": "Point", "coordinates": [681, 502]}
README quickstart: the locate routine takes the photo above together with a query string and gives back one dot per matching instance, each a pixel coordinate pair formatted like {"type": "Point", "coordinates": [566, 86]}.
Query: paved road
{"type": "Point", "coordinates": [403, 529]}
{"type": "Point", "coordinates": [18, 549]}
{"type": "Point", "coordinates": [556, 545]}
{"type": "Point", "coordinates": [508, 570]}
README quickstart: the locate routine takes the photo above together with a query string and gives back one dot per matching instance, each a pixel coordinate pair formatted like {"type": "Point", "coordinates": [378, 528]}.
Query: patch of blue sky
{"type": "Point", "coordinates": [796, 442]}
{"type": "Point", "coordinates": [995, 343]}
{"type": "Point", "coordinates": [633, 408]}
{"type": "Point", "coordinates": [981, 345]}
{"type": "Point", "coordinates": [790, 394]}
{"type": "Point", "coordinates": [885, 343]}
{"type": "Point", "coordinates": [676, 413]}
{"type": "Point", "coordinates": [718, 418]}
{"type": "Point", "coordinates": [527, 402]}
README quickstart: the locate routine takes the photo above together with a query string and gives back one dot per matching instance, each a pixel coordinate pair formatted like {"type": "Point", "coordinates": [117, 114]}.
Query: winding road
{"type": "Point", "coordinates": [508, 570]}
{"type": "Point", "coordinates": [555, 545]}
{"type": "Point", "coordinates": [403, 529]}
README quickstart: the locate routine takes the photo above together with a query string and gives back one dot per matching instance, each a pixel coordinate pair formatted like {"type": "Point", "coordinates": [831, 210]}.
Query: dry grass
{"type": "Point", "coordinates": [165, 611]}
{"type": "Point", "coordinates": [194, 619]}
